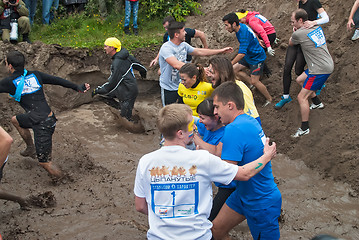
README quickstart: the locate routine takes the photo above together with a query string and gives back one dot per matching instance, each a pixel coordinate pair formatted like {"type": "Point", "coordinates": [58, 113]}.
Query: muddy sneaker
{"type": "Point", "coordinates": [315, 106]}
{"type": "Point", "coordinates": [300, 132]}
{"type": "Point", "coordinates": [135, 31]}
{"type": "Point", "coordinates": [266, 103]}
{"type": "Point", "coordinates": [29, 152]}
{"type": "Point", "coordinates": [282, 102]}
{"type": "Point", "coordinates": [127, 30]}
{"type": "Point", "coordinates": [356, 35]}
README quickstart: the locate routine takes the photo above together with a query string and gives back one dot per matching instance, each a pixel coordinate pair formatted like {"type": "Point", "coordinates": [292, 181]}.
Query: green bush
{"type": "Point", "coordinates": [178, 9]}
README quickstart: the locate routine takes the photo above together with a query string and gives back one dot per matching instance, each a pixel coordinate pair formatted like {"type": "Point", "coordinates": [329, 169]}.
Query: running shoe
{"type": "Point", "coordinates": [318, 91]}
{"type": "Point", "coordinates": [316, 106]}
{"type": "Point", "coordinates": [300, 132]}
{"type": "Point", "coordinates": [356, 35]}
{"type": "Point", "coordinates": [282, 102]}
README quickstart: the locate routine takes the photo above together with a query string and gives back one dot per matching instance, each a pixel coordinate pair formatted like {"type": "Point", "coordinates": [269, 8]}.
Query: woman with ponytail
{"type": "Point", "coordinates": [194, 87]}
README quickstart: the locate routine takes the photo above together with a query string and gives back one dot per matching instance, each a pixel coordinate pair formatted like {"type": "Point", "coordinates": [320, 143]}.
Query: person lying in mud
{"type": "Point", "coordinates": [173, 185]}
{"type": "Point", "coordinates": [26, 87]}
{"type": "Point", "coordinates": [122, 82]}
{"type": "Point", "coordinates": [5, 144]}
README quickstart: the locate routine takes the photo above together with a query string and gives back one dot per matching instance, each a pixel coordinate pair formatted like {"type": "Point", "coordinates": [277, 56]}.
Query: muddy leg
{"type": "Point", "coordinates": [26, 135]}
{"type": "Point", "coordinates": [52, 169]}
{"type": "Point", "coordinates": [10, 197]}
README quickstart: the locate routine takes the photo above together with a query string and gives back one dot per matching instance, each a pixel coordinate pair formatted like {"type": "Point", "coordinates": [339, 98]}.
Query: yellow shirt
{"type": "Point", "coordinates": [194, 96]}
{"type": "Point", "coordinates": [249, 106]}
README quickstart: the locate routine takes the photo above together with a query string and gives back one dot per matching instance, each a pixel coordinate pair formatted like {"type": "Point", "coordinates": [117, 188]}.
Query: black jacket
{"type": "Point", "coordinates": [122, 78]}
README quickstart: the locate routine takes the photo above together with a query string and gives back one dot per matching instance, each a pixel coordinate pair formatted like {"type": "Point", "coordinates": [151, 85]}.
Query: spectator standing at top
{"type": "Point", "coordinates": [14, 12]}
{"type": "Point", "coordinates": [131, 6]}
{"type": "Point", "coordinates": [190, 33]}
{"type": "Point", "coordinates": [250, 54]}
{"type": "Point", "coordinates": [320, 65]}
{"type": "Point", "coordinates": [354, 20]}
{"type": "Point", "coordinates": [49, 7]}
{"type": "Point", "coordinates": [173, 56]}
{"type": "Point", "coordinates": [294, 54]}
{"type": "Point", "coordinates": [261, 26]}
{"type": "Point", "coordinates": [31, 5]}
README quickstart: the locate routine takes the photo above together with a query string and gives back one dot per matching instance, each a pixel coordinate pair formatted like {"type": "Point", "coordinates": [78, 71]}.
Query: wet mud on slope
{"type": "Point", "coordinates": [317, 174]}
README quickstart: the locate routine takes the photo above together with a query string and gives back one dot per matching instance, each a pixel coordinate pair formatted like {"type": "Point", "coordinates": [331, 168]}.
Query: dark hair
{"type": "Point", "coordinates": [192, 69]}
{"type": "Point", "coordinates": [168, 19]}
{"type": "Point", "coordinates": [231, 18]}
{"type": "Point", "coordinates": [16, 59]}
{"type": "Point", "coordinates": [300, 14]}
{"type": "Point", "coordinates": [224, 67]}
{"type": "Point", "coordinates": [206, 107]}
{"type": "Point", "coordinates": [174, 27]}
{"type": "Point", "coordinates": [242, 11]}
{"type": "Point", "coordinates": [229, 91]}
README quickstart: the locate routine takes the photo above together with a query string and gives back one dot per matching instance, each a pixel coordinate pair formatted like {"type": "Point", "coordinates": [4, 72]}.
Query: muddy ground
{"type": "Point", "coordinates": [317, 174]}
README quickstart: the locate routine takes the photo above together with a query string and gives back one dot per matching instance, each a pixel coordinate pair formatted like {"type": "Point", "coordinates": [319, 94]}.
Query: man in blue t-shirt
{"type": "Point", "coordinates": [250, 54]}
{"type": "Point", "coordinates": [257, 200]}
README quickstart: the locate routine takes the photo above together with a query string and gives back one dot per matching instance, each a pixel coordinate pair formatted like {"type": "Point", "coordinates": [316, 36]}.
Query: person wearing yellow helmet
{"type": "Point", "coordinates": [121, 83]}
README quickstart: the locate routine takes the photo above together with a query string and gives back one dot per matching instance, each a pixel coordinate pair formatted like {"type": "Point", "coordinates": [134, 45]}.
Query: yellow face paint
{"type": "Point", "coordinates": [190, 126]}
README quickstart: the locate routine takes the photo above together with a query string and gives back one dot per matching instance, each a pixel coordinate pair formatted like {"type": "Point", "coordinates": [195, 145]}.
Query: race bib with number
{"type": "Point", "coordinates": [317, 36]}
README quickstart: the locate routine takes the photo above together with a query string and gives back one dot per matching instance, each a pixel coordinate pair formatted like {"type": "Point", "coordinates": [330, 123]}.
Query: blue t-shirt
{"type": "Point", "coordinates": [170, 78]}
{"type": "Point", "coordinates": [213, 137]}
{"type": "Point", "coordinates": [249, 45]}
{"type": "Point", "coordinates": [243, 142]}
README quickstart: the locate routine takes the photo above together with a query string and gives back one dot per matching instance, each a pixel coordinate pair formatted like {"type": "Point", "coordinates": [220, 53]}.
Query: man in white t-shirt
{"type": "Point", "coordinates": [172, 57]}
{"type": "Point", "coordinates": [173, 185]}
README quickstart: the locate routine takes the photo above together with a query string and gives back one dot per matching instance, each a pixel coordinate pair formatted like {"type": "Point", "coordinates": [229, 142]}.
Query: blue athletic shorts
{"type": "Point", "coordinates": [263, 223]}
{"type": "Point", "coordinates": [256, 69]}
{"type": "Point", "coordinates": [314, 82]}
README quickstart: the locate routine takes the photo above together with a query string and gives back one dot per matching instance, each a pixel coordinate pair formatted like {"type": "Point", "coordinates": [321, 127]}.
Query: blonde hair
{"type": "Point", "coordinates": [172, 118]}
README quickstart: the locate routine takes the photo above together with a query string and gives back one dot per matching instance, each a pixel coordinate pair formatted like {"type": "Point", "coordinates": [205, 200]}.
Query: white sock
{"type": "Point", "coordinates": [285, 96]}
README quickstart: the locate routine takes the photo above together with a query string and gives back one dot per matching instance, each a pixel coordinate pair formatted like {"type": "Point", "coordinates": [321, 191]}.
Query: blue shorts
{"type": "Point", "coordinates": [263, 223]}
{"type": "Point", "coordinates": [314, 82]}
{"type": "Point", "coordinates": [256, 69]}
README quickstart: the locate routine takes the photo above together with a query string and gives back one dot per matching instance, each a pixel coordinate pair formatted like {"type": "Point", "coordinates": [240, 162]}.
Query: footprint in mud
{"type": "Point", "coordinates": [43, 200]}
{"type": "Point", "coordinates": [133, 127]}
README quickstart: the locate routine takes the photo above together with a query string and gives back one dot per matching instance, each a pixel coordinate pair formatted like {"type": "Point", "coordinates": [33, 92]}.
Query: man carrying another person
{"type": "Point", "coordinates": [320, 65]}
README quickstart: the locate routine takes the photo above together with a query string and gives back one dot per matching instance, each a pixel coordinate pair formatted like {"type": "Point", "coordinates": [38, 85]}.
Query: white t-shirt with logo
{"type": "Point", "coordinates": [177, 185]}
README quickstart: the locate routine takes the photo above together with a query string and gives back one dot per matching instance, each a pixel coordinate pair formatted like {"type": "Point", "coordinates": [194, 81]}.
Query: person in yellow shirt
{"type": "Point", "coordinates": [220, 70]}
{"type": "Point", "coordinates": [194, 87]}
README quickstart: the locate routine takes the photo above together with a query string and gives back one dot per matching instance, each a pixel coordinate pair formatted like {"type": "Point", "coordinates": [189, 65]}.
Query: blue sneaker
{"type": "Point", "coordinates": [318, 91]}
{"type": "Point", "coordinates": [282, 102]}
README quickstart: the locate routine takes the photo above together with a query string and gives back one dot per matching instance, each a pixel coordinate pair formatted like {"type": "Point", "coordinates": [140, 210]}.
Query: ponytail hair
{"type": "Point", "coordinates": [192, 69]}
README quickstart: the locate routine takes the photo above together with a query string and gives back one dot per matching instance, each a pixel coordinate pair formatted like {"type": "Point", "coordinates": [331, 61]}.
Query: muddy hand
{"type": "Point", "coordinates": [270, 150]}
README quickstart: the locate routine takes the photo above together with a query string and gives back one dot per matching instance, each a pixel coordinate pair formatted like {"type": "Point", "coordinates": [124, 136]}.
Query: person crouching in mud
{"type": "Point", "coordinates": [122, 83]}
{"type": "Point", "coordinates": [26, 87]}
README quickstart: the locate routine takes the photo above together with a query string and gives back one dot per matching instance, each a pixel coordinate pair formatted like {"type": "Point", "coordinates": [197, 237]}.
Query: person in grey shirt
{"type": "Point", "coordinates": [173, 56]}
{"type": "Point", "coordinates": [320, 65]}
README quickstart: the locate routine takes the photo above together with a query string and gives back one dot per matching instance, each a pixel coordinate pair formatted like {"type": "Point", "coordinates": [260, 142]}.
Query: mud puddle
{"type": "Point", "coordinates": [102, 157]}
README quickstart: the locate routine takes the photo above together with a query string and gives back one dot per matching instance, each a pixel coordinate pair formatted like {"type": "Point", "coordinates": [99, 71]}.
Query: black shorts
{"type": "Point", "coordinates": [254, 69]}
{"type": "Point", "coordinates": [43, 132]}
